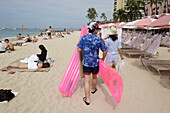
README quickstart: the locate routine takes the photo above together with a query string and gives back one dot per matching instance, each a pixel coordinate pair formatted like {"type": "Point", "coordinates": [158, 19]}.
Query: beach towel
{"type": "Point", "coordinates": [28, 70]}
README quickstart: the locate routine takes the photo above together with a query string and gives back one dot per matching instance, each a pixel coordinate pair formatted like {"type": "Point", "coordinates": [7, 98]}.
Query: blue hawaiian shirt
{"type": "Point", "coordinates": [90, 44]}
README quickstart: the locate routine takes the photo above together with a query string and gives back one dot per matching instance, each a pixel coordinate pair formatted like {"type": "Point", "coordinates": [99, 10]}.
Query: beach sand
{"type": "Point", "coordinates": [38, 91]}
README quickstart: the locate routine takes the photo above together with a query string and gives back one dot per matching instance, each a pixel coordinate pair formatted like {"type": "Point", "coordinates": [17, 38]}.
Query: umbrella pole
{"type": "Point", "coordinates": [146, 41]}
{"type": "Point", "coordinates": [168, 39]}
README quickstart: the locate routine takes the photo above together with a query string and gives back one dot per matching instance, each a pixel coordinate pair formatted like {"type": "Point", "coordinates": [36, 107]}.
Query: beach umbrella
{"type": "Point", "coordinates": [122, 24]}
{"type": "Point", "coordinates": [130, 25]}
{"type": "Point", "coordinates": [105, 26]}
{"type": "Point", "coordinates": [115, 25]}
{"type": "Point", "coordinates": [144, 22]}
{"type": "Point", "coordinates": [161, 22]}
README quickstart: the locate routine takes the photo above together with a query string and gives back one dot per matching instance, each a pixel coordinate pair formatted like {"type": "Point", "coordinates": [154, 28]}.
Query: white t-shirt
{"type": "Point", "coordinates": [113, 46]}
{"type": "Point", "coordinates": [2, 47]}
{"type": "Point", "coordinates": [32, 65]}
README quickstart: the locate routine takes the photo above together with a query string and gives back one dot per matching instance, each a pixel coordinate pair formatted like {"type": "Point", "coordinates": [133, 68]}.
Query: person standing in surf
{"type": "Point", "coordinates": [90, 45]}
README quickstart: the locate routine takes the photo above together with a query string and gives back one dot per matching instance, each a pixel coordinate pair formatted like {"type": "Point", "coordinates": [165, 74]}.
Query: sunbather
{"type": "Point", "coordinates": [9, 45]}
{"type": "Point", "coordinates": [2, 47]}
{"type": "Point", "coordinates": [35, 39]}
{"type": "Point", "coordinates": [28, 39]}
{"type": "Point", "coordinates": [19, 37]}
{"type": "Point", "coordinates": [30, 65]}
{"type": "Point", "coordinates": [18, 44]}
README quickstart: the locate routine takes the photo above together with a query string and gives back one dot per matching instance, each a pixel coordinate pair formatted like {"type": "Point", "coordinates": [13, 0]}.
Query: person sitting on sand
{"type": "Point", "coordinates": [43, 55]}
{"type": "Point", "coordinates": [30, 65]}
{"type": "Point", "coordinates": [28, 39]}
{"type": "Point", "coordinates": [9, 45]}
{"type": "Point", "coordinates": [19, 37]}
{"type": "Point", "coordinates": [34, 39]}
{"type": "Point", "coordinates": [2, 47]}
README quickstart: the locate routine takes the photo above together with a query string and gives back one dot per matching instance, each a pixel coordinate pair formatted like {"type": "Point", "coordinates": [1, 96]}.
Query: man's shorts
{"type": "Point", "coordinates": [89, 70]}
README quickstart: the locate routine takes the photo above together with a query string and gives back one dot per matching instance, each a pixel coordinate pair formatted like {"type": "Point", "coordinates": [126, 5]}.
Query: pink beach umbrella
{"type": "Point", "coordinates": [115, 25]}
{"type": "Point", "coordinates": [121, 25]}
{"type": "Point", "coordinates": [144, 22]}
{"type": "Point", "coordinates": [161, 22]}
{"type": "Point", "coordinates": [105, 26]}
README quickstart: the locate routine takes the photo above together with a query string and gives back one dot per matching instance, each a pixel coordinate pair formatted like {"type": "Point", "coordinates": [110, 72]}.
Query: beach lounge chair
{"type": "Point", "coordinates": [145, 46]}
{"type": "Point", "coordinates": [159, 65]}
{"type": "Point", "coordinates": [152, 50]}
{"type": "Point", "coordinates": [165, 41]}
{"type": "Point", "coordinates": [127, 40]}
{"type": "Point", "coordinates": [125, 37]}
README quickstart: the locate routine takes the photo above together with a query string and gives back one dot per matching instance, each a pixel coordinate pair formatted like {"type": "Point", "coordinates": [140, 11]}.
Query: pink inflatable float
{"type": "Point", "coordinates": [71, 75]}
{"type": "Point", "coordinates": [112, 79]}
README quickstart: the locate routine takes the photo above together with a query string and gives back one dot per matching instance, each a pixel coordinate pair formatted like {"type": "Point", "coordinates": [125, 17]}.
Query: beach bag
{"type": "Point", "coordinates": [6, 95]}
{"type": "Point", "coordinates": [121, 66]}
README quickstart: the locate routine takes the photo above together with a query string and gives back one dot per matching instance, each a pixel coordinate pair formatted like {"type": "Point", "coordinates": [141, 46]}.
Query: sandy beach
{"type": "Point", "coordinates": [38, 91]}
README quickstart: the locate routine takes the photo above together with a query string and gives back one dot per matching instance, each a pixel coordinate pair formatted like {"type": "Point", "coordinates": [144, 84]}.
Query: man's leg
{"type": "Point", "coordinates": [87, 87]}
{"type": "Point", "coordinates": [94, 82]}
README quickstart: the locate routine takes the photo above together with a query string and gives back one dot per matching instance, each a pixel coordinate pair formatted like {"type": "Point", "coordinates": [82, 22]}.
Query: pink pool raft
{"type": "Point", "coordinates": [111, 78]}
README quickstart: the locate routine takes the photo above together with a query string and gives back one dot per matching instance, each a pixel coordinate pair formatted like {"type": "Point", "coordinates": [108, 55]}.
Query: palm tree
{"type": "Point", "coordinates": [92, 14]}
{"type": "Point", "coordinates": [103, 15]}
{"type": "Point", "coordinates": [120, 15]}
{"type": "Point", "coordinates": [134, 8]}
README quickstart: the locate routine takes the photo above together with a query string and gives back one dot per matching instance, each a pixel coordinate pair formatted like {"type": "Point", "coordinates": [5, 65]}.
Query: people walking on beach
{"type": "Point", "coordinates": [90, 45]}
{"type": "Point", "coordinates": [49, 31]}
{"type": "Point", "coordinates": [114, 48]}
{"type": "Point", "coordinates": [9, 46]}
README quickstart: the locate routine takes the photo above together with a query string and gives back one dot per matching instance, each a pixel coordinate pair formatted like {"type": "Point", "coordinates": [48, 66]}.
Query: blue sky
{"type": "Point", "coordinates": [42, 13]}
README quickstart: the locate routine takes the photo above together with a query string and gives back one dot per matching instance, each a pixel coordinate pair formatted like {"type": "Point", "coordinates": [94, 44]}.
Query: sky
{"type": "Point", "coordinates": [57, 13]}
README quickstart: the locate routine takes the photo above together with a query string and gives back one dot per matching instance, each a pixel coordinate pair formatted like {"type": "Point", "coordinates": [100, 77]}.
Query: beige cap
{"type": "Point", "coordinates": [112, 31]}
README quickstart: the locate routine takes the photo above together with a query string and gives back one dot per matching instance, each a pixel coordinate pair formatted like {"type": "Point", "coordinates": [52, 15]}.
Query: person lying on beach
{"type": "Point", "coordinates": [18, 44]}
{"type": "Point", "coordinates": [28, 39]}
{"type": "Point", "coordinates": [34, 39]}
{"type": "Point", "coordinates": [2, 47]}
{"type": "Point", "coordinates": [9, 45]}
{"type": "Point", "coordinates": [30, 65]}
{"type": "Point", "coordinates": [19, 37]}
{"type": "Point", "coordinates": [60, 34]}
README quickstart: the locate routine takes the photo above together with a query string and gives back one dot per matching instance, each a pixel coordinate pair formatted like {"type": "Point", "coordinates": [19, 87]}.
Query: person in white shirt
{"type": "Point", "coordinates": [2, 47]}
{"type": "Point", "coordinates": [114, 48]}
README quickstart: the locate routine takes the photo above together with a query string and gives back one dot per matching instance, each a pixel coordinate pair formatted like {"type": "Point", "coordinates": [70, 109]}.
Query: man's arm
{"type": "Point", "coordinates": [104, 54]}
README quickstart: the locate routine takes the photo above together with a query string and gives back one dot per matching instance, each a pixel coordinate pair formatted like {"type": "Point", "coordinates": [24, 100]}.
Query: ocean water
{"type": "Point", "coordinates": [13, 32]}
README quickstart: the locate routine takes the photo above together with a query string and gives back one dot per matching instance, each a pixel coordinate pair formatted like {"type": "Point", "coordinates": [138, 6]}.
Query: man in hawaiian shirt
{"type": "Point", "coordinates": [90, 45]}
